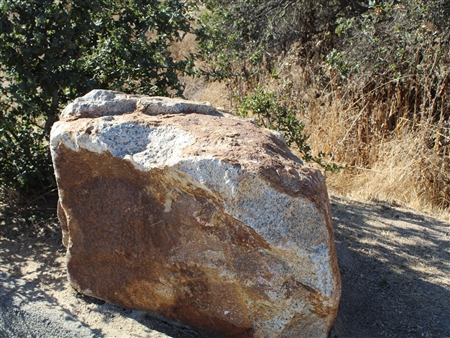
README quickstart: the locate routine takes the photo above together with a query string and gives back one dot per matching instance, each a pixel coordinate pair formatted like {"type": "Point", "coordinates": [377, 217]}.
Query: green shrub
{"type": "Point", "coordinates": [53, 51]}
{"type": "Point", "coordinates": [268, 112]}
{"type": "Point", "coordinates": [243, 41]}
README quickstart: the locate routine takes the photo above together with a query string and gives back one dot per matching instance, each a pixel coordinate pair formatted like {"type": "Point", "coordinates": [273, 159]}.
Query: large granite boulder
{"type": "Point", "coordinates": [196, 215]}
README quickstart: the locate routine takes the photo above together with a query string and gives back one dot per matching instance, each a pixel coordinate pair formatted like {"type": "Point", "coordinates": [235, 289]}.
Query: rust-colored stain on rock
{"type": "Point", "coordinates": [115, 213]}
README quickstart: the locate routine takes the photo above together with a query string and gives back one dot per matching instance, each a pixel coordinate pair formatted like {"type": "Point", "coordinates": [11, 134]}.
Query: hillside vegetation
{"type": "Point", "coordinates": [360, 85]}
{"type": "Point", "coordinates": [370, 83]}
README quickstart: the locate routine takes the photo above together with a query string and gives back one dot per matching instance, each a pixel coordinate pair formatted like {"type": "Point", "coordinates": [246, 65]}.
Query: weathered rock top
{"type": "Point", "coordinates": [102, 120]}
{"type": "Point", "coordinates": [155, 132]}
{"type": "Point", "coordinates": [98, 103]}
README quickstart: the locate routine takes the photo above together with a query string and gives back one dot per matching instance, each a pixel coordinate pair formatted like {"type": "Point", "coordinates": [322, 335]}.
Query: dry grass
{"type": "Point", "coordinates": [403, 166]}
{"type": "Point", "coordinates": [399, 169]}
{"type": "Point", "coordinates": [402, 174]}
{"type": "Point", "coordinates": [197, 88]}
{"type": "Point", "coordinates": [216, 93]}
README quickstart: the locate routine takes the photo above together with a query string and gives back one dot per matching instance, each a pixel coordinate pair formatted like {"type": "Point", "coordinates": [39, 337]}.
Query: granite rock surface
{"type": "Point", "coordinates": [194, 214]}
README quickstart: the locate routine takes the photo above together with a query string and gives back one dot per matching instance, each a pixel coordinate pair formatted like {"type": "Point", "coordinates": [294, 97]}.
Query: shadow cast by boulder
{"type": "Point", "coordinates": [395, 272]}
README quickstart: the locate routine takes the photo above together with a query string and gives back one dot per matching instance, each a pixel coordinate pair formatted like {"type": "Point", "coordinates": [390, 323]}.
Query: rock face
{"type": "Point", "coordinates": [196, 215]}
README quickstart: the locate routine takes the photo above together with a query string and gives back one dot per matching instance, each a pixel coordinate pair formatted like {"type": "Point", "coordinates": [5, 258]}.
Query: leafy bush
{"type": "Point", "coordinates": [53, 51]}
{"type": "Point", "coordinates": [268, 112]}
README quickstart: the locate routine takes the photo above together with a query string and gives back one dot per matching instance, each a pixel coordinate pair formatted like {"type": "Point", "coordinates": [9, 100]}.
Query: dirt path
{"type": "Point", "coordinates": [395, 269]}
{"type": "Point", "coordinates": [394, 263]}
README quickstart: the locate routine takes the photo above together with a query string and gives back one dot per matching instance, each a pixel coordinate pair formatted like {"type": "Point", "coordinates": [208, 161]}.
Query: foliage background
{"type": "Point", "coordinates": [363, 84]}
{"type": "Point", "coordinates": [371, 79]}
{"type": "Point", "coordinates": [54, 51]}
